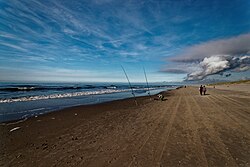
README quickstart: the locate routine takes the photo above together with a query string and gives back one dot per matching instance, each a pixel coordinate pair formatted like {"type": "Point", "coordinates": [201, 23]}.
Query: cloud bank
{"type": "Point", "coordinates": [213, 57]}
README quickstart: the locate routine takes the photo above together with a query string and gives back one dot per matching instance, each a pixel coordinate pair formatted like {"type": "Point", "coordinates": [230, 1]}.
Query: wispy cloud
{"type": "Point", "coordinates": [14, 46]}
{"type": "Point", "coordinates": [45, 74]}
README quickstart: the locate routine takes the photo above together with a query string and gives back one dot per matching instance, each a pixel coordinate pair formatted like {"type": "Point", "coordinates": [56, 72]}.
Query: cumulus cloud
{"type": "Point", "coordinates": [208, 66]}
{"type": "Point", "coordinates": [219, 63]}
{"type": "Point", "coordinates": [214, 57]}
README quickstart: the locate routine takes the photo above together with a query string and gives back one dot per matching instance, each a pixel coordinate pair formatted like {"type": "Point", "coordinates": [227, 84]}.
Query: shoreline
{"type": "Point", "coordinates": [82, 105]}
{"type": "Point", "coordinates": [16, 103]}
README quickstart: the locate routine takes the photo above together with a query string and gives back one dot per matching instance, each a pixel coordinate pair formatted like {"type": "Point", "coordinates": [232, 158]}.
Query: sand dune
{"type": "Point", "coordinates": [185, 130]}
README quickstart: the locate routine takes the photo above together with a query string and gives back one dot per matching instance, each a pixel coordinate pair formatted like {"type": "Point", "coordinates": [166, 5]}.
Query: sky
{"type": "Point", "coordinates": [89, 40]}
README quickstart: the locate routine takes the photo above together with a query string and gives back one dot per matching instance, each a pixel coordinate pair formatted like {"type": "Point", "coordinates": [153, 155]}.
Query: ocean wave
{"type": "Point", "coordinates": [72, 94]}
{"type": "Point", "coordinates": [16, 88]}
{"type": "Point", "coordinates": [37, 88]}
{"type": "Point", "coordinates": [62, 95]}
{"type": "Point", "coordinates": [25, 88]}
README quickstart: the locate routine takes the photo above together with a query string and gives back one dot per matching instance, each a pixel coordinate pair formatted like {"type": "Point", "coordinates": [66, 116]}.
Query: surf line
{"type": "Point", "coordinates": [147, 82]}
{"type": "Point", "coordinates": [132, 91]}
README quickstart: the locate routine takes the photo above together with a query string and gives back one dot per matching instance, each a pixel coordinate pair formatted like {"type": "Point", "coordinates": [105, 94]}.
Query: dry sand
{"type": "Point", "coordinates": [185, 130]}
{"type": "Point", "coordinates": [234, 87]}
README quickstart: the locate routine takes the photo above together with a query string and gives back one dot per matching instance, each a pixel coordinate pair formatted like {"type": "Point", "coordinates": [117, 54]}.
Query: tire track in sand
{"type": "Point", "coordinates": [228, 100]}
{"type": "Point", "coordinates": [124, 153]}
{"type": "Point", "coordinates": [121, 155]}
{"type": "Point", "coordinates": [234, 114]}
{"type": "Point", "coordinates": [236, 121]}
{"type": "Point", "coordinates": [165, 134]}
{"type": "Point", "coordinates": [234, 101]}
{"type": "Point", "coordinates": [104, 149]}
{"type": "Point", "coordinates": [168, 129]}
{"type": "Point", "coordinates": [213, 136]}
{"type": "Point", "coordinates": [202, 160]}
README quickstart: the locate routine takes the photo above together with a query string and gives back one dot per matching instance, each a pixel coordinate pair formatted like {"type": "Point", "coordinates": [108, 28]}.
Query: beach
{"type": "Point", "coordinates": [185, 129]}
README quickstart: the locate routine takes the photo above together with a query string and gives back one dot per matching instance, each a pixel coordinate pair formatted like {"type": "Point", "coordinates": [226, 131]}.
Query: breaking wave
{"type": "Point", "coordinates": [62, 95]}
{"type": "Point", "coordinates": [37, 87]}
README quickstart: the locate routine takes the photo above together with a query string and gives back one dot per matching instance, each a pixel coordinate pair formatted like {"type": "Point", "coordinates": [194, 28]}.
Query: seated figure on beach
{"type": "Point", "coordinates": [201, 89]}
{"type": "Point", "coordinates": [161, 97]}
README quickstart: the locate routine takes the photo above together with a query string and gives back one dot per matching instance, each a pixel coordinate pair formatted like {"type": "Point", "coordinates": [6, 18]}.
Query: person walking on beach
{"type": "Point", "coordinates": [204, 90]}
{"type": "Point", "coordinates": [201, 90]}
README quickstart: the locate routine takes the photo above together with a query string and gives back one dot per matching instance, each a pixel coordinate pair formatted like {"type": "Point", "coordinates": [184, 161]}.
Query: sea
{"type": "Point", "coordinates": [19, 101]}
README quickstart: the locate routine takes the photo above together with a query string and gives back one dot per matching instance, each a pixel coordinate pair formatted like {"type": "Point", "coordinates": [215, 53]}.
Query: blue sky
{"type": "Point", "coordinates": [86, 41]}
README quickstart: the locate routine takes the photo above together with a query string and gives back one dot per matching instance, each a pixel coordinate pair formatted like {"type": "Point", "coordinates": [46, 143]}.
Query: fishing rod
{"type": "Point", "coordinates": [129, 85]}
{"type": "Point", "coordinates": [147, 82]}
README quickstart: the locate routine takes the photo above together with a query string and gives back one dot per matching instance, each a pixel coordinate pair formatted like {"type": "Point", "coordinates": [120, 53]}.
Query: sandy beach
{"type": "Point", "coordinates": [184, 130]}
{"type": "Point", "coordinates": [243, 87]}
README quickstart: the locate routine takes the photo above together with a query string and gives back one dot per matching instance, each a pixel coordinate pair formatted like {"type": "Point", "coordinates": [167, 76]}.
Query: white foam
{"type": "Point", "coordinates": [64, 95]}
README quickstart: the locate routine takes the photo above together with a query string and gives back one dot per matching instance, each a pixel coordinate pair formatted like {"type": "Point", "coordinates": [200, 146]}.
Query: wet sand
{"type": "Point", "coordinates": [184, 130]}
